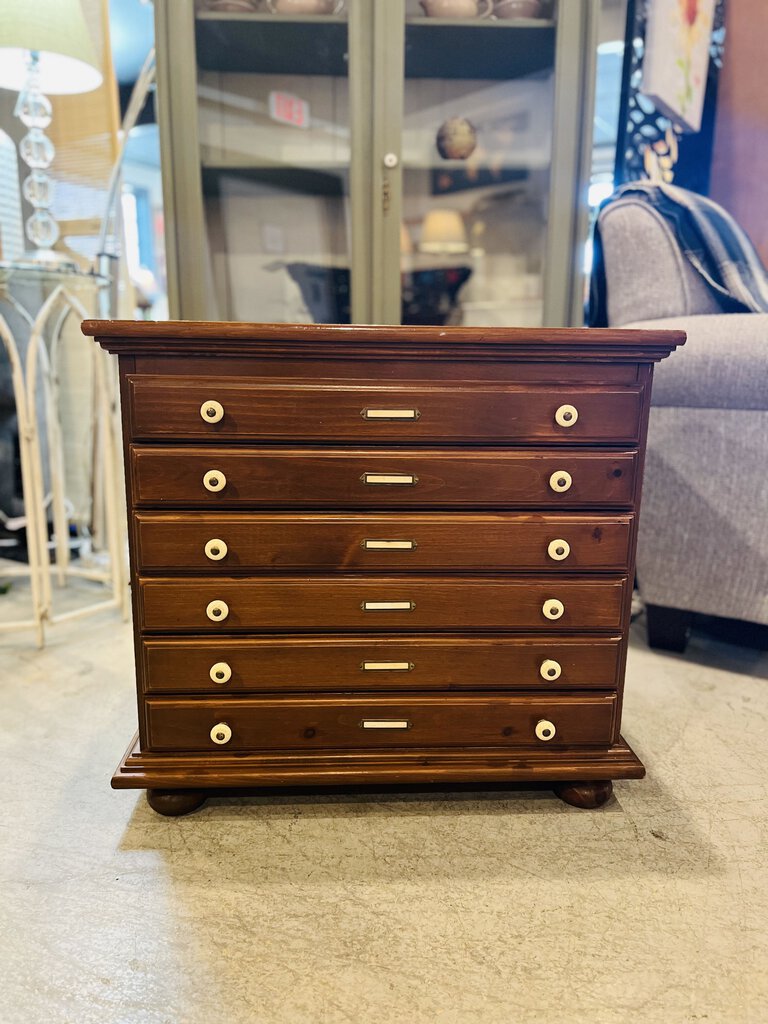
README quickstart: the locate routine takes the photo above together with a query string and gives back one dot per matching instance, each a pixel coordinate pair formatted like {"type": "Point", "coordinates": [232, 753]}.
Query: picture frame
{"type": "Point", "coordinates": [677, 47]}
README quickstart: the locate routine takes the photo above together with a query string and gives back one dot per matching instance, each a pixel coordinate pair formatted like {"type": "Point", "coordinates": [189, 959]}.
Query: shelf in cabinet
{"type": "Point", "coordinates": [272, 45]}
{"type": "Point", "coordinates": [478, 48]}
{"type": "Point", "coordinates": [312, 181]}
{"type": "Point", "coordinates": [318, 45]}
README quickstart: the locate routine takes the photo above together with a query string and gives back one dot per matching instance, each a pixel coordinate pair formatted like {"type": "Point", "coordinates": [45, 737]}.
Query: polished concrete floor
{"type": "Point", "coordinates": [487, 907]}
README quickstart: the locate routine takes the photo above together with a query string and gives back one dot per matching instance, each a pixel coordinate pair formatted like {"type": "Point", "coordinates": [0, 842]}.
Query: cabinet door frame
{"type": "Point", "coordinates": [187, 263]}
{"type": "Point", "coordinates": [572, 129]}
{"type": "Point", "coordinates": [376, 46]}
{"type": "Point", "coordinates": [187, 254]}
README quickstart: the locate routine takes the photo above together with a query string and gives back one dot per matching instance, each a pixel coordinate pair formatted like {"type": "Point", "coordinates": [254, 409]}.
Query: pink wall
{"type": "Point", "coordinates": [740, 159]}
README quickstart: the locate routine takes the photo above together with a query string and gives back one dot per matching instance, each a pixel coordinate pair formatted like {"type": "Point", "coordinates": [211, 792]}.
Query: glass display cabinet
{"type": "Point", "coordinates": [376, 161]}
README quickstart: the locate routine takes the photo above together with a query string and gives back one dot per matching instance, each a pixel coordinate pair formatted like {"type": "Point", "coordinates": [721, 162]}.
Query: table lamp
{"type": "Point", "coordinates": [443, 233]}
{"type": "Point", "coordinates": [45, 47]}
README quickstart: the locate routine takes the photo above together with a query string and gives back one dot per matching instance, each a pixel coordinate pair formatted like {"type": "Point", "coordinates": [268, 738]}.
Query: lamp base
{"type": "Point", "coordinates": [50, 259]}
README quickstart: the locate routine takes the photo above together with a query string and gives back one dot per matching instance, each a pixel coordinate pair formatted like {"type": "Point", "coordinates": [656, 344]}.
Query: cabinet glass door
{"type": "Point", "coordinates": [274, 142]}
{"type": "Point", "coordinates": [478, 113]}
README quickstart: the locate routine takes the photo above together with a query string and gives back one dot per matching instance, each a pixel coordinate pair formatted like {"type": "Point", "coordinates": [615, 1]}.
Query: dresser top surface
{"type": "Point", "coordinates": [182, 337]}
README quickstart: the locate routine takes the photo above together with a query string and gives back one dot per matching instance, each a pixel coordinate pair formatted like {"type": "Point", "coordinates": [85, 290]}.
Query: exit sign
{"type": "Point", "coordinates": [288, 109]}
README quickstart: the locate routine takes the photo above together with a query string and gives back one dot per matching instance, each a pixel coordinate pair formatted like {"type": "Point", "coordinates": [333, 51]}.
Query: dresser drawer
{"type": "Point", "coordinates": [224, 666]}
{"type": "Point", "coordinates": [190, 408]}
{"type": "Point", "coordinates": [370, 478]}
{"type": "Point", "coordinates": [363, 722]}
{"type": "Point", "coordinates": [229, 542]}
{"type": "Point", "coordinates": [388, 604]}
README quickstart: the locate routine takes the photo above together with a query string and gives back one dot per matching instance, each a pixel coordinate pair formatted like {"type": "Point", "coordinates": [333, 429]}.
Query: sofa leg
{"type": "Point", "coordinates": [668, 628]}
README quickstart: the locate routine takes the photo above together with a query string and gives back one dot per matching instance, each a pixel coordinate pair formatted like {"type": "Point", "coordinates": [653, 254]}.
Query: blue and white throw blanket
{"type": "Point", "coordinates": [709, 238]}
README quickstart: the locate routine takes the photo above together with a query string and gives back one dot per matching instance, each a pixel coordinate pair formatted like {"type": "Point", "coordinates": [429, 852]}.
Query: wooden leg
{"type": "Point", "coordinates": [173, 802]}
{"type": "Point", "coordinates": [584, 794]}
{"type": "Point", "coordinates": [668, 628]}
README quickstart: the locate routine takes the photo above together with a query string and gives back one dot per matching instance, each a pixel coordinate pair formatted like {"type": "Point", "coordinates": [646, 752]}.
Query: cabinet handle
{"type": "Point", "coordinates": [387, 666]}
{"type": "Point", "coordinates": [215, 549]}
{"type": "Point", "coordinates": [217, 611]}
{"type": "Point", "coordinates": [390, 414]}
{"type": "Point", "coordinates": [549, 670]}
{"type": "Point", "coordinates": [214, 480]}
{"type": "Point", "coordinates": [212, 412]}
{"type": "Point", "coordinates": [553, 608]}
{"type": "Point", "coordinates": [558, 550]}
{"type": "Point", "coordinates": [389, 545]}
{"type": "Point", "coordinates": [385, 723]}
{"type": "Point", "coordinates": [388, 606]}
{"type": "Point", "coordinates": [220, 673]}
{"type": "Point", "coordinates": [545, 730]}
{"type": "Point", "coordinates": [560, 481]}
{"type": "Point", "coordinates": [566, 415]}
{"type": "Point", "coordinates": [221, 733]}
{"type": "Point", "coordinates": [389, 478]}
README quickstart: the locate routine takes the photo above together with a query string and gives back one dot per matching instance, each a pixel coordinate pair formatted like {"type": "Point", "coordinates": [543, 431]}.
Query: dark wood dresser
{"type": "Point", "coordinates": [380, 554]}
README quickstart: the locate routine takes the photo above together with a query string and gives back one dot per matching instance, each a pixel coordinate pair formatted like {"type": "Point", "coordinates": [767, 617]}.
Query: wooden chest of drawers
{"type": "Point", "coordinates": [380, 554]}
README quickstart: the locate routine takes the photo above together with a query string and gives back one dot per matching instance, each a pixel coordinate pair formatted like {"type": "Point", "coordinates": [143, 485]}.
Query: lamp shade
{"type": "Point", "coordinates": [57, 31]}
{"type": "Point", "coordinates": [443, 231]}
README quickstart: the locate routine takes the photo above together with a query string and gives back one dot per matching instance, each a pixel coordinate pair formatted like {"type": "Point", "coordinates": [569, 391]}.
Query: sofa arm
{"type": "Point", "coordinates": [723, 364]}
{"type": "Point", "coordinates": [646, 273]}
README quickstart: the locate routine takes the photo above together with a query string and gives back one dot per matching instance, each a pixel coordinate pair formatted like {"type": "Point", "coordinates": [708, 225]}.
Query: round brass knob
{"type": "Point", "coordinates": [560, 481]}
{"type": "Point", "coordinates": [553, 608]}
{"type": "Point", "coordinates": [545, 730]}
{"type": "Point", "coordinates": [212, 412]}
{"type": "Point", "coordinates": [221, 733]}
{"type": "Point", "coordinates": [220, 673]}
{"type": "Point", "coordinates": [566, 415]}
{"type": "Point", "coordinates": [215, 549]}
{"type": "Point", "coordinates": [217, 611]}
{"type": "Point", "coordinates": [214, 480]}
{"type": "Point", "coordinates": [558, 549]}
{"type": "Point", "coordinates": [549, 670]}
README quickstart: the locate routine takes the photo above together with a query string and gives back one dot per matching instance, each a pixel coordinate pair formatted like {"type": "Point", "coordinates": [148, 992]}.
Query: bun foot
{"type": "Point", "coordinates": [174, 802]}
{"type": "Point", "coordinates": [584, 794]}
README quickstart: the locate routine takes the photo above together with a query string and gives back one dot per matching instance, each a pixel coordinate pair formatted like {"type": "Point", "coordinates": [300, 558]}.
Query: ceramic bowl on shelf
{"type": "Point", "coordinates": [229, 6]}
{"type": "Point", "coordinates": [508, 10]}
{"type": "Point", "coordinates": [299, 7]}
{"type": "Point", "coordinates": [457, 8]}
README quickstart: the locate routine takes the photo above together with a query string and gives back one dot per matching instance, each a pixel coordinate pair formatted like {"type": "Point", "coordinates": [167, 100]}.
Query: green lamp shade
{"type": "Point", "coordinates": [56, 29]}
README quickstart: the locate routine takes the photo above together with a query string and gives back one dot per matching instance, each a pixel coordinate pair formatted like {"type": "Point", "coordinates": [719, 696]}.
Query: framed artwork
{"type": "Point", "coordinates": [645, 130]}
{"type": "Point", "coordinates": [677, 46]}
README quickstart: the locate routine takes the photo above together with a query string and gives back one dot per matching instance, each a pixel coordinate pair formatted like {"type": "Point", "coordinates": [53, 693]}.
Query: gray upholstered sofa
{"type": "Point", "coordinates": [703, 539]}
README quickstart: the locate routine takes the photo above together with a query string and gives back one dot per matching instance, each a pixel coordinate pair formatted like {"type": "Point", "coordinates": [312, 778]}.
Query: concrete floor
{"type": "Point", "coordinates": [493, 908]}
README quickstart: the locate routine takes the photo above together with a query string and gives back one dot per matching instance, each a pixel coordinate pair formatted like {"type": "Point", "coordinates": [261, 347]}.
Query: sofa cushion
{"type": "Point", "coordinates": [723, 364]}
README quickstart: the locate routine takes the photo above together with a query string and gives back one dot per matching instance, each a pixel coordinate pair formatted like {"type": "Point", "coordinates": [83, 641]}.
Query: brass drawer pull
{"type": "Point", "coordinates": [387, 666]}
{"type": "Point", "coordinates": [390, 414]}
{"type": "Point", "coordinates": [558, 550]}
{"type": "Point", "coordinates": [545, 730]}
{"type": "Point", "coordinates": [214, 480]}
{"type": "Point", "coordinates": [385, 723]}
{"type": "Point", "coordinates": [215, 549]}
{"type": "Point", "coordinates": [549, 670]}
{"type": "Point", "coordinates": [389, 478]}
{"type": "Point", "coordinates": [553, 608]}
{"type": "Point", "coordinates": [212, 412]}
{"type": "Point", "coordinates": [388, 606]}
{"type": "Point", "coordinates": [217, 611]}
{"type": "Point", "coordinates": [560, 481]}
{"type": "Point", "coordinates": [566, 415]}
{"type": "Point", "coordinates": [221, 733]}
{"type": "Point", "coordinates": [389, 545]}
